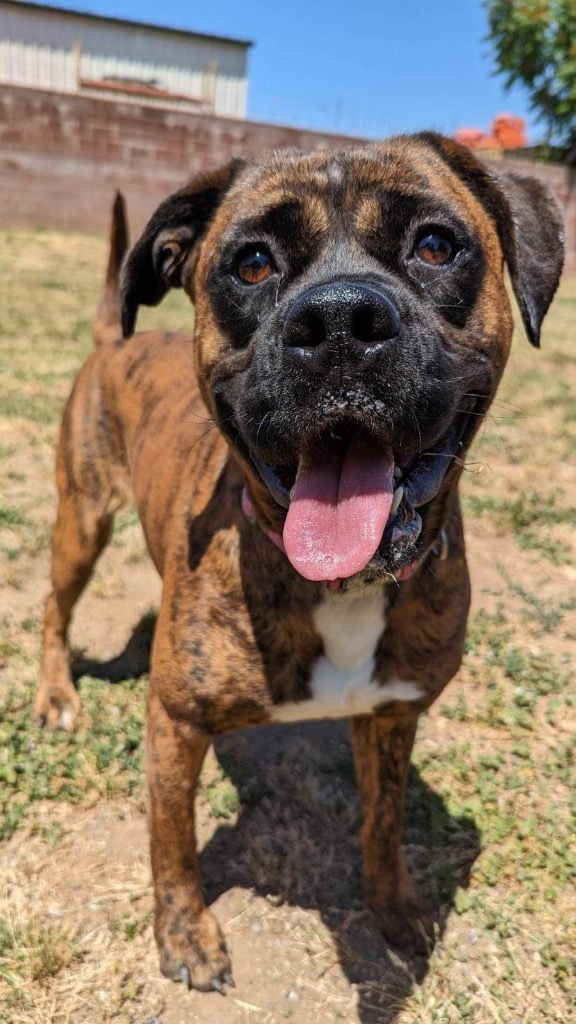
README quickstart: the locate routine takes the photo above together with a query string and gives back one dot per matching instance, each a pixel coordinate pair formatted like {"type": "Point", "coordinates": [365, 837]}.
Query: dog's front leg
{"type": "Point", "coordinates": [191, 945]}
{"type": "Point", "coordinates": [382, 748]}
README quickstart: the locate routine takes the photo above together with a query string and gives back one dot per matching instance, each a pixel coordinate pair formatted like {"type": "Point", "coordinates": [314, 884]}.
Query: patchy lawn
{"type": "Point", "coordinates": [489, 828]}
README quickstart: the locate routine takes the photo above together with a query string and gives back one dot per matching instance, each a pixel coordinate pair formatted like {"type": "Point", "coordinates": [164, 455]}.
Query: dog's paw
{"type": "Point", "coordinates": [57, 700]}
{"type": "Point", "coordinates": [56, 710]}
{"type": "Point", "coordinates": [407, 923]}
{"type": "Point", "coordinates": [194, 952]}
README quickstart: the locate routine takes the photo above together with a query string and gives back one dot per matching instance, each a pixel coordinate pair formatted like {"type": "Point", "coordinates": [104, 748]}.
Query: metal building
{"type": "Point", "coordinates": [49, 48]}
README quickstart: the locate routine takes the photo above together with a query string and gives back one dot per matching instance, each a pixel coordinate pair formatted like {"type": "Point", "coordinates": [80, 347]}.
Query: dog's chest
{"type": "Point", "coordinates": [341, 680]}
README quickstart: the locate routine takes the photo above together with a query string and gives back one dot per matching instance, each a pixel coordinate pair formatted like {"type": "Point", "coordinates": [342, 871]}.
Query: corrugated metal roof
{"type": "Point", "coordinates": [127, 22]}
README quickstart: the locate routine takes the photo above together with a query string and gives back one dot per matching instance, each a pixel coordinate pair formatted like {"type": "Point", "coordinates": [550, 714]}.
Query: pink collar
{"type": "Point", "coordinates": [439, 548]}
{"type": "Point", "coordinates": [250, 513]}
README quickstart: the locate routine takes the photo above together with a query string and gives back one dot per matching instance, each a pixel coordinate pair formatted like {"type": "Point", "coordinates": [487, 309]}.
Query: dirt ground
{"type": "Point", "coordinates": [488, 820]}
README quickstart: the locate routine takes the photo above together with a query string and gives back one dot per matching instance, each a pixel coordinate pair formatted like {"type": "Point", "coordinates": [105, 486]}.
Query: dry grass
{"type": "Point", "coordinates": [490, 820]}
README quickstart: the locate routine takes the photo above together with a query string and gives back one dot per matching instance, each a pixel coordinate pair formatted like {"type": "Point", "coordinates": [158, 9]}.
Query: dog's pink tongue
{"type": "Point", "coordinates": [338, 510]}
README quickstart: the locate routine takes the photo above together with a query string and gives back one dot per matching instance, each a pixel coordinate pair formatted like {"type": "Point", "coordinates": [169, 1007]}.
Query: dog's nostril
{"type": "Point", "coordinates": [364, 326]}
{"type": "Point", "coordinates": [371, 324]}
{"type": "Point", "coordinates": [308, 331]}
{"type": "Point", "coordinates": [315, 328]}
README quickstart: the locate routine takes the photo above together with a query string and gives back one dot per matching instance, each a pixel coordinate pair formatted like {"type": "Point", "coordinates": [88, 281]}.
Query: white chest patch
{"type": "Point", "coordinates": [341, 681]}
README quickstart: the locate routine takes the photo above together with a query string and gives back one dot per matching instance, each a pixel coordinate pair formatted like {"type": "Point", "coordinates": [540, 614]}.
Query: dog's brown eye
{"type": "Point", "coordinates": [434, 249]}
{"type": "Point", "coordinates": [254, 267]}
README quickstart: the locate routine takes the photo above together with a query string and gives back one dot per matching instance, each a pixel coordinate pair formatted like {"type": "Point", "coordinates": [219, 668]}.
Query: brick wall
{"type": "Point", "coordinates": [62, 157]}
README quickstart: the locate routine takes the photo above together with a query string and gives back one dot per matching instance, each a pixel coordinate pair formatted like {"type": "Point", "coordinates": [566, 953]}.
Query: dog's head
{"type": "Point", "coordinates": [352, 324]}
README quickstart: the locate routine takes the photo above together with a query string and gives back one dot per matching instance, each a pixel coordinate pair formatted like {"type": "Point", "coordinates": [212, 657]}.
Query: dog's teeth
{"type": "Point", "coordinates": [397, 472]}
{"type": "Point", "coordinates": [397, 498]}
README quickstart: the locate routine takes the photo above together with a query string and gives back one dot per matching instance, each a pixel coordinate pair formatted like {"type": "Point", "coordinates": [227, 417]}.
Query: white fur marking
{"type": "Point", "coordinates": [341, 682]}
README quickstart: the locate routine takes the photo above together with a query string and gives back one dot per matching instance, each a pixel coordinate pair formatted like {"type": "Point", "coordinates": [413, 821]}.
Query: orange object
{"type": "Point", "coordinates": [511, 131]}
{"type": "Point", "coordinates": [506, 132]}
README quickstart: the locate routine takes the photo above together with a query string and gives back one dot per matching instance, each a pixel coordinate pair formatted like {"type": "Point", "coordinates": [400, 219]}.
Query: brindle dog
{"type": "Point", "coordinates": [352, 325]}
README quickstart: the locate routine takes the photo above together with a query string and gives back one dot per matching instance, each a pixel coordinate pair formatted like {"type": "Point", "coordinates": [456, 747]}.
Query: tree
{"type": "Point", "coordinates": [535, 44]}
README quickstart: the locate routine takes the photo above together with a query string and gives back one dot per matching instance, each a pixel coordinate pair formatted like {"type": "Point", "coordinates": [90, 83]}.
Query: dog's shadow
{"type": "Point", "coordinates": [132, 662]}
{"type": "Point", "coordinates": [295, 840]}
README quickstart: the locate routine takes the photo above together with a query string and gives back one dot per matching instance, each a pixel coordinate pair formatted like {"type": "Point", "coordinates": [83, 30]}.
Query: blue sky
{"type": "Point", "coordinates": [369, 67]}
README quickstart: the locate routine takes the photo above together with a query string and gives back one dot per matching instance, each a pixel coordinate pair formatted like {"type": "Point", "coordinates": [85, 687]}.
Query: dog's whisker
{"type": "Point", "coordinates": [198, 419]}
{"type": "Point", "coordinates": [499, 401]}
{"type": "Point", "coordinates": [199, 439]}
{"type": "Point", "coordinates": [270, 413]}
{"type": "Point", "coordinates": [415, 418]}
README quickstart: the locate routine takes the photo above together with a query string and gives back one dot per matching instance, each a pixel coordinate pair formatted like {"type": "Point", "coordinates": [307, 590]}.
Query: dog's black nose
{"type": "Point", "coordinates": [343, 313]}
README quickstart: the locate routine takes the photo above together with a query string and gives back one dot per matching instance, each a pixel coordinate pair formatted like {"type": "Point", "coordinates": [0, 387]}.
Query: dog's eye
{"type": "Point", "coordinates": [434, 249]}
{"type": "Point", "coordinates": [254, 267]}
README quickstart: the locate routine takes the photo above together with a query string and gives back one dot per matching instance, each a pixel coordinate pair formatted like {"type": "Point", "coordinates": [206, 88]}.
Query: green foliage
{"type": "Point", "coordinates": [535, 46]}
{"type": "Point", "coordinates": [529, 516]}
{"type": "Point", "coordinates": [102, 758]}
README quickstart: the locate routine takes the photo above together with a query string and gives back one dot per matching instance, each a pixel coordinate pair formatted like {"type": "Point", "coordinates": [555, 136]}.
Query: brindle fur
{"type": "Point", "coordinates": [235, 633]}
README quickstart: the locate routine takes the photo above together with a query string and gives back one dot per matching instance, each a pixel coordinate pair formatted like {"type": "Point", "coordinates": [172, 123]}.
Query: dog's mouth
{"type": "Point", "coordinates": [354, 503]}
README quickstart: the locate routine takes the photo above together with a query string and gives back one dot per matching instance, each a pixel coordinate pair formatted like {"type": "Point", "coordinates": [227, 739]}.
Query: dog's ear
{"type": "Point", "coordinates": [530, 227]}
{"type": "Point", "coordinates": [155, 262]}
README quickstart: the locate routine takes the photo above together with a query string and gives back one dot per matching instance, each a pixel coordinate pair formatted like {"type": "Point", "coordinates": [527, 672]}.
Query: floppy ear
{"type": "Point", "coordinates": [155, 262]}
{"type": "Point", "coordinates": [530, 227]}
